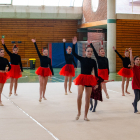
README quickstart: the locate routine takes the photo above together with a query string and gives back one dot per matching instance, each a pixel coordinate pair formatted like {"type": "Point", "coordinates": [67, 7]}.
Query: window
{"type": "Point", "coordinates": [75, 3]}
{"type": "Point", "coordinates": [3, 2]}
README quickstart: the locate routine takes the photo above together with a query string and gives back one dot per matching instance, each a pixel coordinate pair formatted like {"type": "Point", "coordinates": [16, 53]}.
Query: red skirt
{"type": "Point", "coordinates": [3, 77]}
{"type": "Point", "coordinates": [103, 73]}
{"type": "Point", "coordinates": [67, 70]}
{"type": "Point", "coordinates": [14, 72]}
{"type": "Point", "coordinates": [85, 80]}
{"type": "Point", "coordinates": [43, 72]}
{"type": "Point", "coordinates": [125, 72]}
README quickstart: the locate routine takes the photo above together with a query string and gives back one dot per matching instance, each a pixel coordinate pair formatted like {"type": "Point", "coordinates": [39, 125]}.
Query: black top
{"type": "Point", "coordinates": [102, 61]}
{"type": "Point", "coordinates": [126, 60]}
{"type": "Point", "coordinates": [45, 61]}
{"type": "Point", "coordinates": [3, 63]}
{"type": "Point", "coordinates": [87, 64]}
{"type": "Point", "coordinates": [69, 57]}
{"type": "Point", "coordinates": [15, 59]}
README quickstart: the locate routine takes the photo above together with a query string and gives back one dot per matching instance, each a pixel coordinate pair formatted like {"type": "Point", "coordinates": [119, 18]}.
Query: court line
{"type": "Point", "coordinates": [113, 91]}
{"type": "Point", "coordinates": [31, 118]}
{"type": "Point", "coordinates": [119, 92]}
{"type": "Point", "coordinates": [58, 79]}
{"type": "Point", "coordinates": [24, 77]}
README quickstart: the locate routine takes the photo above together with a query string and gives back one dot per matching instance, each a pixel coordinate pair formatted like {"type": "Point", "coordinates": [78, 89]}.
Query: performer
{"type": "Point", "coordinates": [96, 93]}
{"type": "Point", "coordinates": [86, 79]}
{"type": "Point", "coordinates": [16, 67]}
{"type": "Point", "coordinates": [135, 64]}
{"type": "Point", "coordinates": [68, 70]}
{"type": "Point", "coordinates": [103, 66]}
{"type": "Point", "coordinates": [44, 70]}
{"type": "Point", "coordinates": [125, 72]}
{"type": "Point", "coordinates": [3, 68]}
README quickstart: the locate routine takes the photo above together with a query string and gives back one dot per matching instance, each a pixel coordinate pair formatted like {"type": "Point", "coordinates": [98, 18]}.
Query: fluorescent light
{"type": "Point", "coordinates": [5, 2]}
{"type": "Point", "coordinates": [78, 3]}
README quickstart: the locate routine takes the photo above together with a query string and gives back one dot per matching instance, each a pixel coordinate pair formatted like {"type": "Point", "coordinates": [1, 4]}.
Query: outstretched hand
{"type": "Point", "coordinates": [74, 40]}
{"type": "Point", "coordinates": [33, 40]}
{"type": "Point", "coordinates": [64, 40]}
{"type": "Point", "coordinates": [2, 40]}
{"type": "Point", "coordinates": [89, 42]}
{"type": "Point", "coordinates": [114, 48]}
{"type": "Point", "coordinates": [130, 50]}
{"type": "Point", "coordinates": [96, 87]}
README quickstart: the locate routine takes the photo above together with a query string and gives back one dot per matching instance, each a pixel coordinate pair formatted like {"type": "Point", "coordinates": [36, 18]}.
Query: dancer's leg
{"type": "Point", "coordinates": [65, 84]}
{"type": "Point", "coordinates": [123, 82]}
{"type": "Point", "coordinates": [70, 83]}
{"type": "Point", "coordinates": [15, 86]}
{"type": "Point", "coordinates": [88, 91]}
{"type": "Point", "coordinates": [127, 84]}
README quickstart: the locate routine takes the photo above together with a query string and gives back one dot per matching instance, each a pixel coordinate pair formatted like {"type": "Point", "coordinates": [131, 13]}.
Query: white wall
{"type": "Point", "coordinates": [125, 6]}
{"type": "Point", "coordinates": [40, 12]}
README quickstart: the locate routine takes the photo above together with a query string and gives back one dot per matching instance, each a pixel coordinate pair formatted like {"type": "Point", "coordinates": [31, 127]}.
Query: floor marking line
{"type": "Point", "coordinates": [118, 92]}
{"type": "Point", "coordinates": [114, 91]}
{"type": "Point", "coordinates": [31, 117]}
{"type": "Point", "coordinates": [24, 77]}
{"type": "Point", "coordinates": [58, 79]}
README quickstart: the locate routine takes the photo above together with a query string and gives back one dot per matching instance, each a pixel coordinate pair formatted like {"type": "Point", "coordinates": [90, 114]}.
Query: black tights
{"type": "Point", "coordinates": [137, 98]}
{"type": "Point", "coordinates": [95, 104]}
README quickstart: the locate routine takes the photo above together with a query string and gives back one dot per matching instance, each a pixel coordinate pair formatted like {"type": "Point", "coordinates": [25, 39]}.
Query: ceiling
{"type": "Point", "coordinates": [71, 3]}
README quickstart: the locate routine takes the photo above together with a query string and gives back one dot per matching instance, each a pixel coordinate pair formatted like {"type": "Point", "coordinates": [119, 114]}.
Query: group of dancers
{"type": "Point", "coordinates": [90, 79]}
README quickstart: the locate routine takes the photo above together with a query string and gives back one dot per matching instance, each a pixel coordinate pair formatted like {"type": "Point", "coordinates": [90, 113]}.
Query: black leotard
{"type": "Point", "coordinates": [87, 64]}
{"type": "Point", "coordinates": [3, 63]}
{"type": "Point", "coordinates": [69, 57]}
{"type": "Point", "coordinates": [15, 59]}
{"type": "Point", "coordinates": [45, 61]}
{"type": "Point", "coordinates": [102, 61]}
{"type": "Point", "coordinates": [125, 60]}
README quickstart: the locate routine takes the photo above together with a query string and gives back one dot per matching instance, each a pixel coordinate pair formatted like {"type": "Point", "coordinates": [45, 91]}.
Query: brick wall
{"type": "Point", "coordinates": [44, 30]}
{"type": "Point", "coordinates": [90, 16]}
{"type": "Point", "coordinates": [96, 36]}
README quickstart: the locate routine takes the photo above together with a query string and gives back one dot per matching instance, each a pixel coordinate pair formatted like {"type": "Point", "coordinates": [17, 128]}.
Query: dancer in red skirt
{"type": "Point", "coordinates": [86, 79]}
{"type": "Point", "coordinates": [125, 72]}
{"type": "Point", "coordinates": [135, 64]}
{"type": "Point", "coordinates": [16, 67]}
{"type": "Point", "coordinates": [3, 75]}
{"type": "Point", "coordinates": [103, 66]}
{"type": "Point", "coordinates": [68, 70]}
{"type": "Point", "coordinates": [44, 70]}
{"type": "Point", "coordinates": [96, 93]}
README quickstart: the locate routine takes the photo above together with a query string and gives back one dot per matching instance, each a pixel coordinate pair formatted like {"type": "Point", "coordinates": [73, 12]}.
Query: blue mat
{"type": "Point", "coordinates": [58, 59]}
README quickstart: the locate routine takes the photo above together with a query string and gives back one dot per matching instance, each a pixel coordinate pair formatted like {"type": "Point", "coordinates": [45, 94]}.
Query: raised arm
{"type": "Point", "coordinates": [95, 53]}
{"type": "Point", "coordinates": [21, 65]}
{"type": "Point", "coordinates": [108, 66]}
{"type": "Point", "coordinates": [38, 52]}
{"type": "Point", "coordinates": [64, 41]}
{"type": "Point", "coordinates": [131, 57]}
{"type": "Point", "coordinates": [50, 64]}
{"type": "Point", "coordinates": [117, 52]}
{"type": "Point", "coordinates": [95, 68]}
{"type": "Point", "coordinates": [8, 65]}
{"type": "Point", "coordinates": [74, 41]}
{"type": "Point", "coordinates": [74, 63]}
{"type": "Point", "coordinates": [3, 43]}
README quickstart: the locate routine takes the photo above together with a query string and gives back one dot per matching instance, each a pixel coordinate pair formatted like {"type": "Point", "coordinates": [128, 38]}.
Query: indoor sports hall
{"type": "Point", "coordinates": [43, 32]}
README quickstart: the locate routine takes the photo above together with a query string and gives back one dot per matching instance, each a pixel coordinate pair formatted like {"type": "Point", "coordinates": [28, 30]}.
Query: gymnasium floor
{"type": "Point", "coordinates": [29, 76]}
{"type": "Point", "coordinates": [24, 118]}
